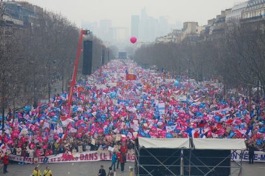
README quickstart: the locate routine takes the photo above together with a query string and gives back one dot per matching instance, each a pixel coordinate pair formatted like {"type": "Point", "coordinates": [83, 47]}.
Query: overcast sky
{"type": "Point", "coordinates": [120, 11]}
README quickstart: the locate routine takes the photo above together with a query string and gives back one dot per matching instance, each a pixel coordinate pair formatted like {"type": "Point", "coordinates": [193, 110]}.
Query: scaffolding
{"type": "Point", "coordinates": [188, 157]}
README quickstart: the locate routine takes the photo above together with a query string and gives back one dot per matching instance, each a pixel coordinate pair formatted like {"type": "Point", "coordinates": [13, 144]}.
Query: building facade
{"type": "Point", "coordinates": [189, 29]}
{"type": "Point", "coordinates": [19, 13]}
{"type": "Point", "coordinates": [235, 14]}
{"type": "Point", "coordinates": [255, 11]}
{"type": "Point", "coordinates": [173, 37]}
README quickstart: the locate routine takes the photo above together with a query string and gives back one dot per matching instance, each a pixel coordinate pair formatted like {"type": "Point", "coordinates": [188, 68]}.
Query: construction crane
{"type": "Point", "coordinates": [77, 57]}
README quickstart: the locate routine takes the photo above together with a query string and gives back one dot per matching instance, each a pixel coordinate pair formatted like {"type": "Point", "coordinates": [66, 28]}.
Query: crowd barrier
{"type": "Point", "coordinates": [105, 156]}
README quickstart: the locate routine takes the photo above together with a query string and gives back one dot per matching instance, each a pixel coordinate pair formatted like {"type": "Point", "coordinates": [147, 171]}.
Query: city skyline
{"type": "Point", "coordinates": [111, 21]}
{"type": "Point", "coordinates": [143, 26]}
{"type": "Point", "coordinates": [120, 11]}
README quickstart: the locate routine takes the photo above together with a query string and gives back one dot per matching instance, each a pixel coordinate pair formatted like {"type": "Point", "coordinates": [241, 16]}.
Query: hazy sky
{"type": "Point", "coordinates": [120, 11]}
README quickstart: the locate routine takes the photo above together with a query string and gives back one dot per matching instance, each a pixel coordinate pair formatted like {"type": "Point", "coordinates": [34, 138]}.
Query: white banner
{"type": "Point", "coordinates": [63, 158]}
{"type": "Point", "coordinates": [181, 98]}
{"type": "Point", "coordinates": [259, 156]}
{"type": "Point", "coordinates": [161, 108]}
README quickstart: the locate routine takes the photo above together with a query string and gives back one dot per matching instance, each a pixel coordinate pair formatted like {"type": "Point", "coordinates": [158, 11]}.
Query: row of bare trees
{"type": "Point", "coordinates": [236, 56]}
{"type": "Point", "coordinates": [34, 57]}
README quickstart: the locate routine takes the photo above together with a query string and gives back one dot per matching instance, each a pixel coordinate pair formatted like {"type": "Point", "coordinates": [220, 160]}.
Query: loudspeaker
{"type": "Point", "coordinates": [87, 57]}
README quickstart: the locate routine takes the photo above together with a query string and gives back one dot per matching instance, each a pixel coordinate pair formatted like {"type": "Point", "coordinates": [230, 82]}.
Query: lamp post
{"type": "Point", "coordinates": [62, 79]}
{"type": "Point", "coordinates": [35, 103]}
{"type": "Point", "coordinates": [3, 100]}
{"type": "Point", "coordinates": [108, 55]}
{"type": "Point", "coordinates": [188, 70]}
{"type": "Point", "coordinates": [103, 56]}
{"type": "Point", "coordinates": [49, 77]}
{"type": "Point", "coordinates": [49, 82]}
{"type": "Point", "coordinates": [3, 73]}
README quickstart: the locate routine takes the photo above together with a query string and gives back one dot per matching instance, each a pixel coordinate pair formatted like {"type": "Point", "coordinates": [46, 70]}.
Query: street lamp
{"type": "Point", "coordinates": [49, 77]}
{"type": "Point", "coordinates": [108, 55]}
{"type": "Point", "coordinates": [35, 102]}
{"type": "Point", "coordinates": [189, 67]}
{"type": "Point", "coordinates": [62, 78]}
{"type": "Point", "coordinates": [3, 99]}
{"type": "Point", "coordinates": [103, 56]}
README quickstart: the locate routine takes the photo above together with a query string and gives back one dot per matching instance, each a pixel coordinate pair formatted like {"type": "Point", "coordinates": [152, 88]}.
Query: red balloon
{"type": "Point", "coordinates": [133, 39]}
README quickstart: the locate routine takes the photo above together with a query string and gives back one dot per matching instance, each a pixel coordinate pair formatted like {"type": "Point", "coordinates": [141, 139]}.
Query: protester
{"type": "Point", "coordinates": [113, 161]}
{"type": "Point", "coordinates": [118, 158]}
{"type": "Point", "coordinates": [122, 161]}
{"type": "Point", "coordinates": [251, 155]}
{"type": "Point", "coordinates": [110, 173]}
{"type": "Point", "coordinates": [101, 171]}
{"type": "Point", "coordinates": [36, 171]}
{"type": "Point", "coordinates": [5, 160]}
{"type": "Point", "coordinates": [47, 171]}
{"type": "Point", "coordinates": [124, 148]}
{"type": "Point", "coordinates": [131, 171]}
{"type": "Point", "coordinates": [109, 110]}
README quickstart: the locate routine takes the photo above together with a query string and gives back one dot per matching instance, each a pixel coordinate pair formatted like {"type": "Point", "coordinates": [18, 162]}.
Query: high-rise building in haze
{"type": "Point", "coordinates": [120, 37]}
{"type": "Point", "coordinates": [163, 26]}
{"type": "Point", "coordinates": [135, 21]}
{"type": "Point", "coordinates": [104, 30]}
{"type": "Point", "coordinates": [143, 33]}
{"type": "Point", "coordinates": [147, 28]}
{"type": "Point", "coordinates": [120, 34]}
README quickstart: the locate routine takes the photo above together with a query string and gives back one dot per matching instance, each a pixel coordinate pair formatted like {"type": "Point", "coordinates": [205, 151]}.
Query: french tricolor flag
{"type": "Point", "coordinates": [66, 120]}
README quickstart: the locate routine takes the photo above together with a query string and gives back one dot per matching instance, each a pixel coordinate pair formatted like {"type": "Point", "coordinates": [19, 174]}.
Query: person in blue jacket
{"type": "Point", "coordinates": [113, 161]}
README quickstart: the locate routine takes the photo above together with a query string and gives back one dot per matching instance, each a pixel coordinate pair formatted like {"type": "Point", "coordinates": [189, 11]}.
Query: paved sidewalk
{"type": "Point", "coordinates": [91, 169]}
{"type": "Point", "coordinates": [65, 169]}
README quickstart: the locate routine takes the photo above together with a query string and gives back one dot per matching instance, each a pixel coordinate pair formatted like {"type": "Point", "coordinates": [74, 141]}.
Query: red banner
{"type": "Point", "coordinates": [130, 76]}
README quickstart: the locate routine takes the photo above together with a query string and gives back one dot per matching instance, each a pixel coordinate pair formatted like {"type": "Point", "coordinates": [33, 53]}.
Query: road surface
{"type": "Point", "coordinates": [91, 169]}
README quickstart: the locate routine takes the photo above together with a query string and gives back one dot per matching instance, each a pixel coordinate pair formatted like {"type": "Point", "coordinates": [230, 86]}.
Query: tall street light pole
{"type": "Point", "coordinates": [35, 101]}
{"type": "Point", "coordinates": [62, 79]}
{"type": "Point", "coordinates": [108, 54]}
{"type": "Point", "coordinates": [49, 77]}
{"type": "Point", "coordinates": [3, 71]}
{"type": "Point", "coordinates": [49, 82]}
{"type": "Point", "coordinates": [3, 100]}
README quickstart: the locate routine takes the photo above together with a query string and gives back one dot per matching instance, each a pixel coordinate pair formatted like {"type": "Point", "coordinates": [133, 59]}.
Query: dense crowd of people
{"type": "Point", "coordinates": [111, 111]}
